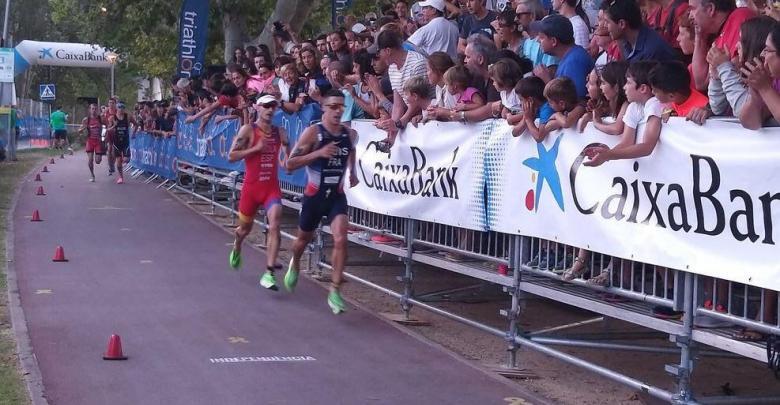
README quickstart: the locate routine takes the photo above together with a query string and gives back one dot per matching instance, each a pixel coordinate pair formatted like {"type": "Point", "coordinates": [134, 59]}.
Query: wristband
{"type": "Point", "coordinates": [463, 117]}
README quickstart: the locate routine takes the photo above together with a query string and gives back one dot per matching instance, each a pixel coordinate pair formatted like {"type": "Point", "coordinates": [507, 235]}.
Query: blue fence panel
{"type": "Point", "coordinates": [34, 127]}
{"type": "Point", "coordinates": [154, 154]}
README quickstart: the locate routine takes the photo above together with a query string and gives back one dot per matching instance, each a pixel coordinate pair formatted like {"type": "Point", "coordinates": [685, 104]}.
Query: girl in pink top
{"type": "Point", "coordinates": [460, 96]}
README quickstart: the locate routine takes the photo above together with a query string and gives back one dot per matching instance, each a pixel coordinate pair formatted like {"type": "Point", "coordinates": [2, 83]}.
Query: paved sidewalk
{"type": "Point", "coordinates": [149, 269]}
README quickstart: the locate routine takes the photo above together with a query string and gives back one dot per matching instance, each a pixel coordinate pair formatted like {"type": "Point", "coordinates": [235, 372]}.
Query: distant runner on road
{"type": "Point", "coordinates": [94, 126]}
{"type": "Point", "coordinates": [258, 144]}
{"type": "Point", "coordinates": [121, 126]}
{"type": "Point", "coordinates": [57, 120]}
{"type": "Point", "coordinates": [326, 150]}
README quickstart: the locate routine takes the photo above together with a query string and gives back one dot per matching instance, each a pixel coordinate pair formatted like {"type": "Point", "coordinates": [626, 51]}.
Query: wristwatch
{"type": "Point", "coordinates": [463, 117]}
{"type": "Point", "coordinates": [398, 124]}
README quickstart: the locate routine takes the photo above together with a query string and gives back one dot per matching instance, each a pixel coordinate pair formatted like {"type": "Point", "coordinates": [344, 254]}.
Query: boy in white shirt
{"type": "Point", "coordinates": [642, 119]}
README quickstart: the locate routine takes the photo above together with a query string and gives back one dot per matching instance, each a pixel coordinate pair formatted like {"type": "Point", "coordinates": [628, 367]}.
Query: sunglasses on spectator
{"type": "Point", "coordinates": [269, 105]}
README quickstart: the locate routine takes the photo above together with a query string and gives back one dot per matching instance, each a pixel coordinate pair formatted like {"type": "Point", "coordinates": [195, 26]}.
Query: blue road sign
{"type": "Point", "coordinates": [47, 92]}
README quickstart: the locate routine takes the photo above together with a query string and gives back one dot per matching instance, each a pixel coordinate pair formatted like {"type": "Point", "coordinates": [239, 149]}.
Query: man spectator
{"type": "Point", "coordinates": [478, 21]}
{"type": "Point", "coordinates": [408, 24]}
{"type": "Point", "coordinates": [480, 52]}
{"type": "Point", "coordinates": [556, 35]}
{"type": "Point", "coordinates": [526, 12]}
{"type": "Point", "coordinates": [665, 19]}
{"type": "Point", "coordinates": [438, 34]}
{"type": "Point", "coordinates": [637, 41]}
{"type": "Point", "coordinates": [322, 44]}
{"type": "Point", "coordinates": [402, 66]}
{"type": "Point", "coordinates": [714, 18]}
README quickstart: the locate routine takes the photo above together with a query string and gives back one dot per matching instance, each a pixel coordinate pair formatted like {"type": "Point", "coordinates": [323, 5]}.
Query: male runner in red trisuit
{"type": "Point", "coordinates": [259, 144]}
{"type": "Point", "coordinates": [93, 125]}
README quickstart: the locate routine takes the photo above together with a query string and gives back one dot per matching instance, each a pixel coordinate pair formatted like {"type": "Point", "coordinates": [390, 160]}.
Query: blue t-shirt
{"type": "Point", "coordinates": [533, 51]}
{"type": "Point", "coordinates": [649, 46]}
{"type": "Point", "coordinates": [352, 110]}
{"type": "Point", "coordinates": [576, 65]}
{"type": "Point", "coordinates": [545, 112]}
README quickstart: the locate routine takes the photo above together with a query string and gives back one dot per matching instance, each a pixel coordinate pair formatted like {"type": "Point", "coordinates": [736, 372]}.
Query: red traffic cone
{"type": "Point", "coordinates": [36, 217]}
{"type": "Point", "coordinates": [45, 169]}
{"type": "Point", "coordinates": [51, 161]}
{"type": "Point", "coordinates": [59, 255]}
{"type": "Point", "coordinates": [40, 191]}
{"type": "Point", "coordinates": [38, 177]}
{"type": "Point", "coordinates": [114, 350]}
{"type": "Point", "coordinates": [503, 269]}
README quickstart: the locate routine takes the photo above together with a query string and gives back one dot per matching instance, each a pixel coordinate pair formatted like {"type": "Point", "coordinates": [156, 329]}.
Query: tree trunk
{"type": "Point", "coordinates": [233, 26]}
{"type": "Point", "coordinates": [284, 11]}
{"type": "Point", "coordinates": [302, 13]}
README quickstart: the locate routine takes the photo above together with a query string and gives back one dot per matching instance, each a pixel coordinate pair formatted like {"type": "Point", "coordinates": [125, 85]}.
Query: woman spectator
{"type": "Point", "coordinates": [508, 36]}
{"type": "Point", "coordinates": [572, 9]}
{"type": "Point", "coordinates": [763, 106]}
{"type": "Point", "coordinates": [249, 64]}
{"type": "Point", "coordinates": [727, 91]}
{"type": "Point", "coordinates": [361, 93]}
{"type": "Point", "coordinates": [295, 52]}
{"type": "Point", "coordinates": [238, 56]}
{"type": "Point", "coordinates": [313, 72]}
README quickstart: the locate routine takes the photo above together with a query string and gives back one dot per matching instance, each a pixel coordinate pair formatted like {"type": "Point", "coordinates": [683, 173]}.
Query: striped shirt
{"type": "Point", "coordinates": [581, 31]}
{"type": "Point", "coordinates": [414, 65]}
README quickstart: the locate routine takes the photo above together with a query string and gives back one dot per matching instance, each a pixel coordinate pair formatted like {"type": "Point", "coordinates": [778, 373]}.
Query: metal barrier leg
{"type": "Point", "coordinates": [408, 269]}
{"type": "Point", "coordinates": [514, 312]}
{"type": "Point", "coordinates": [682, 371]}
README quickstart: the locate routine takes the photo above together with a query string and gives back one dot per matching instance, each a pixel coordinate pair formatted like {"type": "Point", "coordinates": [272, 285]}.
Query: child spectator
{"type": "Point", "coordinates": [671, 84]}
{"type": "Point", "coordinates": [613, 81]}
{"type": "Point", "coordinates": [596, 100]}
{"type": "Point", "coordinates": [531, 92]}
{"type": "Point", "coordinates": [460, 97]}
{"type": "Point", "coordinates": [418, 92]}
{"type": "Point", "coordinates": [505, 74]}
{"type": "Point", "coordinates": [561, 95]}
{"type": "Point", "coordinates": [438, 64]}
{"type": "Point", "coordinates": [642, 119]}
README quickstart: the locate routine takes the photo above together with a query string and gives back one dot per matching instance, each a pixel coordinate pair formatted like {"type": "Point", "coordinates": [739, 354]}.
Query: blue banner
{"type": "Point", "coordinates": [193, 37]}
{"type": "Point", "coordinates": [154, 154]}
{"type": "Point", "coordinates": [33, 127]}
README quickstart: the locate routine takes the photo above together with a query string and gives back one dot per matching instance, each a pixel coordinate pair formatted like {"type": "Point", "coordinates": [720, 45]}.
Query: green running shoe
{"type": "Point", "coordinates": [268, 281]}
{"type": "Point", "coordinates": [235, 259]}
{"type": "Point", "coordinates": [291, 277]}
{"type": "Point", "coordinates": [335, 302]}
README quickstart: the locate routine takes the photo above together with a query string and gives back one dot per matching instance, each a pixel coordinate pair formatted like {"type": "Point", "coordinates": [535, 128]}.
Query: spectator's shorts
{"type": "Point", "coordinates": [60, 133]}
{"type": "Point", "coordinates": [255, 195]}
{"type": "Point", "coordinates": [322, 204]}
{"type": "Point", "coordinates": [95, 146]}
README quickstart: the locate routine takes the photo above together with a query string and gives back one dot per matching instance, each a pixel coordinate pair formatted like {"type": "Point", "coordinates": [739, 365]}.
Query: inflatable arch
{"type": "Point", "coordinates": [29, 53]}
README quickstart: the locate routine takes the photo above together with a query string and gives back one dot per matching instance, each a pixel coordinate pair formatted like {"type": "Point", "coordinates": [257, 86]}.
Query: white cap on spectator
{"type": "Point", "coordinates": [265, 99]}
{"type": "Point", "coordinates": [437, 4]}
{"type": "Point", "coordinates": [183, 83]}
{"type": "Point", "coordinates": [358, 28]}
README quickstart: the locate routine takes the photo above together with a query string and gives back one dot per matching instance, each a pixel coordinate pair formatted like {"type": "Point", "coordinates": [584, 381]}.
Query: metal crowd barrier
{"type": "Point", "coordinates": [526, 265]}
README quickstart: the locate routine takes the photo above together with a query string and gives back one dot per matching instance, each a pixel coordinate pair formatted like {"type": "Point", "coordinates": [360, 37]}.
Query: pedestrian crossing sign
{"type": "Point", "coordinates": [47, 92]}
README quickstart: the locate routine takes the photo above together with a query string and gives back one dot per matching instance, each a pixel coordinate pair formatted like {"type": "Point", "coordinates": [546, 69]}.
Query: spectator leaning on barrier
{"type": "Point", "coordinates": [637, 41]}
{"type": "Point", "coordinates": [727, 91]}
{"type": "Point", "coordinates": [478, 21]}
{"type": "Point", "coordinates": [402, 66]}
{"type": "Point", "coordinates": [642, 120]}
{"type": "Point", "coordinates": [561, 97]}
{"type": "Point", "coordinates": [438, 34]}
{"type": "Point", "coordinates": [671, 84]}
{"type": "Point", "coordinates": [763, 107]}
{"type": "Point", "coordinates": [715, 18]}
{"type": "Point", "coordinates": [556, 35]}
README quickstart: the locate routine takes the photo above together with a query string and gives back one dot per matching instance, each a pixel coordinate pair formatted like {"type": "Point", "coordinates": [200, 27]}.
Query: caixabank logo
{"type": "Point", "coordinates": [544, 172]}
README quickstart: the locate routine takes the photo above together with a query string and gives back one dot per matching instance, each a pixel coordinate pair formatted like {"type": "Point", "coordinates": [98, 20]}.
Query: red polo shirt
{"type": "Point", "coordinates": [729, 34]}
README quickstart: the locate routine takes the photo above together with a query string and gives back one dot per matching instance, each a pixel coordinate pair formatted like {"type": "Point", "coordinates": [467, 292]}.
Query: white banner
{"type": "Point", "coordinates": [707, 200]}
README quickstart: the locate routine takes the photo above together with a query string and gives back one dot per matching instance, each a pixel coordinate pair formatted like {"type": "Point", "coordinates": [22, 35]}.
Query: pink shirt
{"type": "Point", "coordinates": [467, 97]}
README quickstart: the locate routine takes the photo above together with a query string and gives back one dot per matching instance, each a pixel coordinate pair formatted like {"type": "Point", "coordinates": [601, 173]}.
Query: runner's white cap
{"type": "Point", "coordinates": [265, 99]}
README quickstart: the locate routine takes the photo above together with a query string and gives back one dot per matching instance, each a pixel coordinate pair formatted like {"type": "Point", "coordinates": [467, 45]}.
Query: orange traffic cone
{"type": "Point", "coordinates": [36, 217]}
{"type": "Point", "coordinates": [51, 161]}
{"type": "Point", "coordinates": [45, 169]}
{"type": "Point", "coordinates": [114, 350]}
{"type": "Point", "coordinates": [40, 191]}
{"type": "Point", "coordinates": [38, 177]}
{"type": "Point", "coordinates": [59, 255]}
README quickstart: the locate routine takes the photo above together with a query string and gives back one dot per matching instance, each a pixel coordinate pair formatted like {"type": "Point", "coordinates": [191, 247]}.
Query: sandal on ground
{"type": "Point", "coordinates": [602, 280]}
{"type": "Point", "coordinates": [661, 312]}
{"type": "Point", "coordinates": [575, 272]}
{"type": "Point", "coordinates": [747, 335]}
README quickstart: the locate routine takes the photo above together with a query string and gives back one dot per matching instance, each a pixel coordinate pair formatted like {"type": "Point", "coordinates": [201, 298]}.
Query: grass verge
{"type": "Point", "coordinates": [12, 389]}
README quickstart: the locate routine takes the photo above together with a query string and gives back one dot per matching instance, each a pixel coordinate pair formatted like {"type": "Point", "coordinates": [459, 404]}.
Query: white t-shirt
{"type": "Point", "coordinates": [511, 101]}
{"type": "Point", "coordinates": [414, 65]}
{"type": "Point", "coordinates": [444, 99]}
{"type": "Point", "coordinates": [581, 31]}
{"type": "Point", "coordinates": [637, 114]}
{"type": "Point", "coordinates": [439, 35]}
